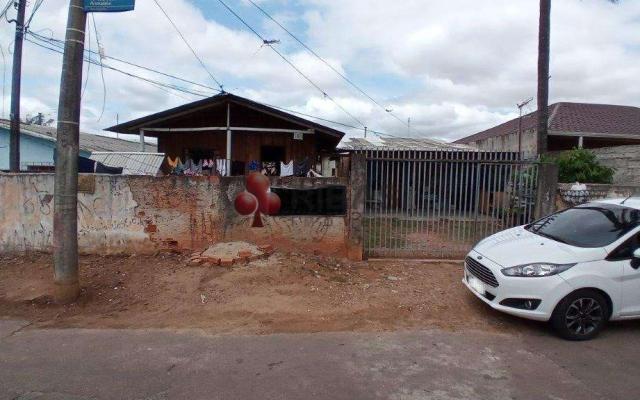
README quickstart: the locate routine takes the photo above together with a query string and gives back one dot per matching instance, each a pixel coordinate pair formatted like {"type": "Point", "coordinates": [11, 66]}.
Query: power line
{"type": "Point", "coordinates": [60, 42]}
{"type": "Point", "coordinates": [264, 40]}
{"type": "Point", "coordinates": [101, 55]}
{"type": "Point", "coordinates": [150, 81]}
{"type": "Point", "coordinates": [57, 47]}
{"type": "Point", "coordinates": [36, 6]}
{"type": "Point", "coordinates": [86, 79]}
{"type": "Point", "coordinates": [345, 78]}
{"type": "Point", "coordinates": [188, 45]}
{"type": "Point", "coordinates": [6, 8]}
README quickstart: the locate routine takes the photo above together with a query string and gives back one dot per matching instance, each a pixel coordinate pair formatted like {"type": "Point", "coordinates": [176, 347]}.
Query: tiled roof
{"type": "Point", "coordinates": [599, 119]}
{"type": "Point", "coordinates": [88, 142]}
{"type": "Point", "coordinates": [418, 144]}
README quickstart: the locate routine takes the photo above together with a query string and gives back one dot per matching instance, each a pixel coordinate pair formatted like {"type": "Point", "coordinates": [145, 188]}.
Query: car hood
{"type": "Point", "coordinates": [518, 246]}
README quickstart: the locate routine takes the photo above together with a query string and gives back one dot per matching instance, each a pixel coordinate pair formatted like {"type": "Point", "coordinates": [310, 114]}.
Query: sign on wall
{"type": "Point", "coordinates": [109, 5]}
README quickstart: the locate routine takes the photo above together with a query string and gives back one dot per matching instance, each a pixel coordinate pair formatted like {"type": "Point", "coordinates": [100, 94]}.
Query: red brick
{"type": "Point", "coordinates": [227, 262]}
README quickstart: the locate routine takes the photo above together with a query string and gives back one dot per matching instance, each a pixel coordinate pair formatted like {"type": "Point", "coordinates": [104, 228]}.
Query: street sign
{"type": "Point", "coordinates": [109, 5]}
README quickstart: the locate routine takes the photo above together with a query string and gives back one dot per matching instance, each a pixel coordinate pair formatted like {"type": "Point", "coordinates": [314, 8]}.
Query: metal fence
{"type": "Point", "coordinates": [437, 204]}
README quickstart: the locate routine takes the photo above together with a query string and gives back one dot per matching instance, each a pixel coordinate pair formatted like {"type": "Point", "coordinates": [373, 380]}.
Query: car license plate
{"type": "Point", "coordinates": [476, 284]}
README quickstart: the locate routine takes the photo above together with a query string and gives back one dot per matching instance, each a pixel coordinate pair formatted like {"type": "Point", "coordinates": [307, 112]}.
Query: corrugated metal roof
{"type": "Point", "coordinates": [418, 144]}
{"type": "Point", "coordinates": [132, 163]}
{"type": "Point", "coordinates": [88, 142]}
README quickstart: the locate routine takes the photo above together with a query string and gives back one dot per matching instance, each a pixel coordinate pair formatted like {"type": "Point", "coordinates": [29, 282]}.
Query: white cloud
{"type": "Point", "coordinates": [453, 67]}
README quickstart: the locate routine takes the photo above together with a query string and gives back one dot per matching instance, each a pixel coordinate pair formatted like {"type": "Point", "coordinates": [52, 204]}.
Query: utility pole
{"type": "Point", "coordinates": [14, 139]}
{"type": "Point", "coordinates": [544, 34]}
{"type": "Point", "coordinates": [65, 214]}
{"type": "Point", "coordinates": [524, 103]}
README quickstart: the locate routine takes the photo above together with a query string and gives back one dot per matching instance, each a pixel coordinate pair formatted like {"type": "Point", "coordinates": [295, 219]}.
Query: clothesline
{"type": "Point", "coordinates": [228, 167]}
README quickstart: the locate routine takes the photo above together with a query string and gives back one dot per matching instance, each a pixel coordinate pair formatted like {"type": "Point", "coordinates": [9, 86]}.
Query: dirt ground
{"type": "Point", "coordinates": [283, 293]}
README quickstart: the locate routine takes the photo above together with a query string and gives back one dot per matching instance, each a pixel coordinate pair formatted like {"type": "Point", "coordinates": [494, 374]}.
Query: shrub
{"type": "Point", "coordinates": [581, 165]}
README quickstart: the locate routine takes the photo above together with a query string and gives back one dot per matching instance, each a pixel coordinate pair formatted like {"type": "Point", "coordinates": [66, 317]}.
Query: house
{"type": "Point", "coordinates": [238, 133]}
{"type": "Point", "coordinates": [571, 125]}
{"type": "Point", "coordinates": [37, 145]}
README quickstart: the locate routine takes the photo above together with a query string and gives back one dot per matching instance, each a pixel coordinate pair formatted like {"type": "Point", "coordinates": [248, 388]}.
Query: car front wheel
{"type": "Point", "coordinates": [581, 315]}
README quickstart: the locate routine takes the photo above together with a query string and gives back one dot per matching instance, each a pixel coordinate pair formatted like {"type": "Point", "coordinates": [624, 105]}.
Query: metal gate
{"type": "Point", "coordinates": [438, 204]}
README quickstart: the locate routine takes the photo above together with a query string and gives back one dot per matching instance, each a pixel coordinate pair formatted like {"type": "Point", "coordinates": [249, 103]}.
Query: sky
{"type": "Point", "coordinates": [452, 67]}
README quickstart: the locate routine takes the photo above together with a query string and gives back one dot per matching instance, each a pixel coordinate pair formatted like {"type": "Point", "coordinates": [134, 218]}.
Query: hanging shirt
{"type": "Point", "coordinates": [221, 166]}
{"type": "Point", "coordinates": [286, 169]}
{"type": "Point", "coordinates": [173, 163]}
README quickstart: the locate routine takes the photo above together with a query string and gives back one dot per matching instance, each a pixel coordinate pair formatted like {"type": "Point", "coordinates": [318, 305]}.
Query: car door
{"type": "Point", "coordinates": [623, 254]}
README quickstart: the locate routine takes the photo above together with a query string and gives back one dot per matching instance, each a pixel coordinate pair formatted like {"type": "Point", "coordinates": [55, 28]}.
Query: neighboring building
{"type": "Point", "coordinates": [237, 132]}
{"type": "Point", "coordinates": [570, 125]}
{"type": "Point", "coordinates": [401, 144]}
{"type": "Point", "coordinates": [37, 144]}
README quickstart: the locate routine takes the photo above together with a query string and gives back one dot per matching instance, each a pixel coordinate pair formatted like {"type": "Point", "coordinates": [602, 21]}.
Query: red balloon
{"type": "Point", "coordinates": [257, 183]}
{"type": "Point", "coordinates": [246, 203]}
{"type": "Point", "coordinates": [270, 203]}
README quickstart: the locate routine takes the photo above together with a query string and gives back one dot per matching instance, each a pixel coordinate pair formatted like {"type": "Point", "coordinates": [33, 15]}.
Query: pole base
{"type": "Point", "coordinates": [66, 293]}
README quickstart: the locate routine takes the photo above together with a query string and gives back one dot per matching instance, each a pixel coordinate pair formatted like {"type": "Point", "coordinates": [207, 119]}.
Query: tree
{"type": "Point", "coordinates": [38, 119]}
{"type": "Point", "coordinates": [581, 165]}
{"type": "Point", "coordinates": [544, 35]}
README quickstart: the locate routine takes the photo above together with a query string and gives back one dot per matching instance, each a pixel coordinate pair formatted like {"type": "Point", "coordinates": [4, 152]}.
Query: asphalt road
{"type": "Point", "coordinates": [75, 364]}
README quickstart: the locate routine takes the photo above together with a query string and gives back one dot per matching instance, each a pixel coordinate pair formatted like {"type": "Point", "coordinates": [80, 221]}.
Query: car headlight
{"type": "Point", "coordinates": [536, 270]}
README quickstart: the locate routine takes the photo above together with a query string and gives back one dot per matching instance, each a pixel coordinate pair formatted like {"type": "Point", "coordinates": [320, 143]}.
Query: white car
{"type": "Point", "coordinates": [577, 268]}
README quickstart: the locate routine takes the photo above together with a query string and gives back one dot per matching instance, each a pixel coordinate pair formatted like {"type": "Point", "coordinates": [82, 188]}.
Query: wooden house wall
{"type": "Point", "coordinates": [246, 146]}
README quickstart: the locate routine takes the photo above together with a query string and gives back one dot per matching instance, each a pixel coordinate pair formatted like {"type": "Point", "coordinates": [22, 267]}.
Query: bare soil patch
{"type": "Point", "coordinates": [282, 293]}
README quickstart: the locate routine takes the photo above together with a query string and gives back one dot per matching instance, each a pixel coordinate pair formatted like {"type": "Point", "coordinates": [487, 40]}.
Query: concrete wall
{"type": "Point", "coordinates": [568, 198]}
{"type": "Point", "coordinates": [509, 143]}
{"type": "Point", "coordinates": [625, 160]}
{"type": "Point", "coordinates": [127, 214]}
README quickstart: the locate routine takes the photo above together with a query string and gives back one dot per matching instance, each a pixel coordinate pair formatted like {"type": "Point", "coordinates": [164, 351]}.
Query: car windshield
{"type": "Point", "coordinates": [590, 225]}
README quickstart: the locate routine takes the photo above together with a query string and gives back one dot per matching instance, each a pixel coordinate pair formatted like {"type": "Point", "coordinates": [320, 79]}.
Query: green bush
{"type": "Point", "coordinates": [581, 165]}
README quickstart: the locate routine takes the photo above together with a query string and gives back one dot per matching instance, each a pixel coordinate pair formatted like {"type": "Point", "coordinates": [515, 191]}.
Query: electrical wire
{"type": "Point", "coordinates": [6, 8]}
{"type": "Point", "coordinates": [150, 81]}
{"type": "Point", "coordinates": [86, 79]}
{"type": "Point", "coordinates": [101, 55]}
{"type": "Point", "coordinates": [36, 6]}
{"type": "Point", "coordinates": [285, 59]}
{"type": "Point", "coordinates": [4, 79]}
{"type": "Point", "coordinates": [60, 42]}
{"type": "Point", "coordinates": [341, 75]}
{"type": "Point", "coordinates": [188, 45]}
{"type": "Point", "coordinates": [57, 46]}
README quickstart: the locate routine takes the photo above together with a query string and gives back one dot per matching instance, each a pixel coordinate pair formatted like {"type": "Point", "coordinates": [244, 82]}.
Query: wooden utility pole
{"type": "Point", "coordinates": [544, 35]}
{"type": "Point", "coordinates": [14, 139]}
{"type": "Point", "coordinates": [65, 214]}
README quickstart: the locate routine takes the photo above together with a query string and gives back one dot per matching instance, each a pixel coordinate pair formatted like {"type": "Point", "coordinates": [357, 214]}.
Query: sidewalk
{"type": "Point", "coordinates": [165, 364]}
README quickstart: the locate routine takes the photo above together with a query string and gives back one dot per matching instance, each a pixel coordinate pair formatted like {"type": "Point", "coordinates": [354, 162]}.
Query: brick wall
{"type": "Point", "coordinates": [126, 214]}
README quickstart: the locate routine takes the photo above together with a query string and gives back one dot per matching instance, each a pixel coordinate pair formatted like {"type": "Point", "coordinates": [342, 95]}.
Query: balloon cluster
{"type": "Point", "coordinates": [257, 199]}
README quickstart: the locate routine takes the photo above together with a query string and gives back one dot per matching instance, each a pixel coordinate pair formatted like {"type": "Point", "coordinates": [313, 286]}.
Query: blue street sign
{"type": "Point", "coordinates": [109, 5]}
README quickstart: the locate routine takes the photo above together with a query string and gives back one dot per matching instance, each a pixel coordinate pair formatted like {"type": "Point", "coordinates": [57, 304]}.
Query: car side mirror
{"type": "Point", "coordinates": [635, 262]}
